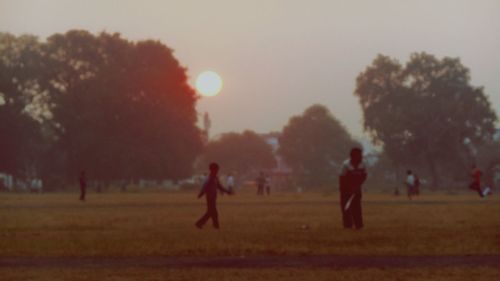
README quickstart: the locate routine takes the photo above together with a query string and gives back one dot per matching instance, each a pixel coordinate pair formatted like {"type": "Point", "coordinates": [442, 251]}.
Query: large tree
{"type": "Point", "coordinates": [241, 153]}
{"type": "Point", "coordinates": [121, 109]}
{"type": "Point", "coordinates": [422, 112]}
{"type": "Point", "coordinates": [314, 144]}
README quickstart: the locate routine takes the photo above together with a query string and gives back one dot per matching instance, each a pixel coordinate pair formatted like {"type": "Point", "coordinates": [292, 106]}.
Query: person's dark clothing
{"type": "Point", "coordinates": [476, 186]}
{"type": "Point", "coordinates": [261, 181]}
{"type": "Point", "coordinates": [417, 185]}
{"type": "Point", "coordinates": [353, 214]}
{"type": "Point", "coordinates": [211, 213]}
{"type": "Point", "coordinates": [83, 187]}
{"type": "Point", "coordinates": [210, 191]}
{"type": "Point", "coordinates": [476, 181]}
{"type": "Point", "coordinates": [350, 181]}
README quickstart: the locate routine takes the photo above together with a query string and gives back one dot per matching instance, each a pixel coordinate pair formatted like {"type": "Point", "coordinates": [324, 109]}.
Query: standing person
{"type": "Point", "coordinates": [417, 185]}
{"type": "Point", "coordinates": [261, 181]}
{"type": "Point", "coordinates": [230, 183]}
{"type": "Point", "coordinates": [476, 181]}
{"type": "Point", "coordinates": [83, 185]}
{"type": "Point", "coordinates": [410, 183]}
{"type": "Point", "coordinates": [352, 177]}
{"type": "Point", "coordinates": [268, 185]}
{"type": "Point", "coordinates": [209, 189]}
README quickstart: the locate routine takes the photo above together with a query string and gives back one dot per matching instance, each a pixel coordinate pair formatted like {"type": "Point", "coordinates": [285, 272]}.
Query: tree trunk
{"type": "Point", "coordinates": [433, 172]}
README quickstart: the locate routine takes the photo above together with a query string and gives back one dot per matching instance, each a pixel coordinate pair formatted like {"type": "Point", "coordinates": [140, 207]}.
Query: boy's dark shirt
{"type": "Point", "coordinates": [351, 178]}
{"type": "Point", "coordinates": [210, 187]}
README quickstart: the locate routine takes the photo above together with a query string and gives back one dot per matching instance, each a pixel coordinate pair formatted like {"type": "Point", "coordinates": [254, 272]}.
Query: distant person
{"type": "Point", "coordinates": [261, 181]}
{"type": "Point", "coordinates": [410, 183]}
{"type": "Point", "coordinates": [416, 188]}
{"type": "Point", "coordinates": [209, 189]}
{"type": "Point", "coordinates": [396, 191]}
{"type": "Point", "coordinates": [352, 176]}
{"type": "Point", "coordinates": [83, 185]}
{"type": "Point", "coordinates": [268, 185]}
{"type": "Point", "coordinates": [476, 182]}
{"type": "Point", "coordinates": [230, 183]}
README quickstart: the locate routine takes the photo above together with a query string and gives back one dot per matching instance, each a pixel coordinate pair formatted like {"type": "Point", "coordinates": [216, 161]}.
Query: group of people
{"type": "Point", "coordinates": [352, 176]}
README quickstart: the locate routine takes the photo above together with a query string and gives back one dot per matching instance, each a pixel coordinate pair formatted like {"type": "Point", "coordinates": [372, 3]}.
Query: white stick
{"type": "Point", "coordinates": [348, 204]}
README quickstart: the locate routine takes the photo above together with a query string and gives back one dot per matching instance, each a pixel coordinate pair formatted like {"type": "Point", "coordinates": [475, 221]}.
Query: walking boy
{"type": "Point", "coordinates": [210, 191]}
{"type": "Point", "coordinates": [352, 177]}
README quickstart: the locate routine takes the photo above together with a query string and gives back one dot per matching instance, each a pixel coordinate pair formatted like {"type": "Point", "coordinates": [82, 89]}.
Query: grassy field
{"type": "Point", "coordinates": [146, 274]}
{"type": "Point", "coordinates": [162, 224]}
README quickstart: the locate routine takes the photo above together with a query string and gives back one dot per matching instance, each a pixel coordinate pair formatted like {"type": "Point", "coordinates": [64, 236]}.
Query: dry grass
{"type": "Point", "coordinates": [148, 224]}
{"type": "Point", "coordinates": [145, 274]}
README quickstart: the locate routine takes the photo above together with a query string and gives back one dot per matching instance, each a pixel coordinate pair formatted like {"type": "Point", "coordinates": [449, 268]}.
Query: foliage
{"type": "Point", "coordinates": [422, 112]}
{"type": "Point", "coordinates": [20, 103]}
{"type": "Point", "coordinates": [240, 153]}
{"type": "Point", "coordinates": [116, 108]}
{"type": "Point", "coordinates": [314, 144]}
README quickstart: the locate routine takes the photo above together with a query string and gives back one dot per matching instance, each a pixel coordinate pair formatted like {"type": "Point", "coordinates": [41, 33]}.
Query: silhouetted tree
{"type": "Point", "coordinates": [421, 112]}
{"type": "Point", "coordinates": [22, 107]}
{"type": "Point", "coordinates": [121, 109]}
{"type": "Point", "coordinates": [240, 153]}
{"type": "Point", "coordinates": [314, 144]}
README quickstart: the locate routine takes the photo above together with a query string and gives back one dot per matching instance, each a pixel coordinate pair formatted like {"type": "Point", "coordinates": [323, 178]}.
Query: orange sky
{"type": "Point", "coordinates": [279, 57]}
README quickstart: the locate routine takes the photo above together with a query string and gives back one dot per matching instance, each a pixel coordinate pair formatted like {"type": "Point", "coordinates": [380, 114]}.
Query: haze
{"type": "Point", "coordinates": [279, 57]}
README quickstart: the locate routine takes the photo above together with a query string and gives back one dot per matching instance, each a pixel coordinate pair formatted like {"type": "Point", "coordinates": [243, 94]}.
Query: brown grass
{"type": "Point", "coordinates": [145, 274]}
{"type": "Point", "coordinates": [149, 224]}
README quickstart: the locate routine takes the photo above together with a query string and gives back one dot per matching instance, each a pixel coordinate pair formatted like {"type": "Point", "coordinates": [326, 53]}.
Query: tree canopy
{"type": "Point", "coordinates": [115, 108]}
{"type": "Point", "coordinates": [21, 104]}
{"type": "Point", "coordinates": [240, 153]}
{"type": "Point", "coordinates": [314, 144]}
{"type": "Point", "coordinates": [422, 112]}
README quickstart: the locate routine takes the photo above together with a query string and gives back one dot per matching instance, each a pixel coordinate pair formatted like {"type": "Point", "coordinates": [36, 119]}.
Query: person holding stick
{"type": "Point", "coordinates": [352, 176]}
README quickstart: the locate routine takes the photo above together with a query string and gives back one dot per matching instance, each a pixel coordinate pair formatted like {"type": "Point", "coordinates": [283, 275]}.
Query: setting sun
{"type": "Point", "coordinates": [208, 83]}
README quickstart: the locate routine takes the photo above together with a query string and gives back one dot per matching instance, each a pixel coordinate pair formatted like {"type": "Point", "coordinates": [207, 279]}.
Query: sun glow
{"type": "Point", "coordinates": [208, 83]}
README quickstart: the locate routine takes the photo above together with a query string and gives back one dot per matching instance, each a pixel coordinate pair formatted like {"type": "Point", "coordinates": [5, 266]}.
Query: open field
{"type": "Point", "coordinates": [148, 225]}
{"type": "Point", "coordinates": [162, 224]}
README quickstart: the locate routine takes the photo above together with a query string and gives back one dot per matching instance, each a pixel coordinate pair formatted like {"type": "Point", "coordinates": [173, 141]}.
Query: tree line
{"type": "Point", "coordinates": [77, 101]}
{"type": "Point", "coordinates": [424, 115]}
{"type": "Point", "coordinates": [124, 110]}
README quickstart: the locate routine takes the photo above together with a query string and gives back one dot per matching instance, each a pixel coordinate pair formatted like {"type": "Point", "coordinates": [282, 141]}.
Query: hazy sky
{"type": "Point", "coordinates": [278, 57]}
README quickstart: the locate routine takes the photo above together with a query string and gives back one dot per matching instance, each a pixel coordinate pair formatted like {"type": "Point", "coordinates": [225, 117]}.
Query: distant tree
{"type": "Point", "coordinates": [314, 144]}
{"type": "Point", "coordinates": [421, 112]}
{"type": "Point", "coordinates": [21, 106]}
{"type": "Point", "coordinates": [240, 153]}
